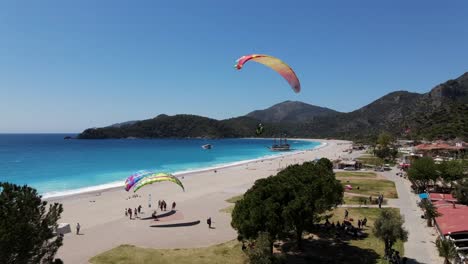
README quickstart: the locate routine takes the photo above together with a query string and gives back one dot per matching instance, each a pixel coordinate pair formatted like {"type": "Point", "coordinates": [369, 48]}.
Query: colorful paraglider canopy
{"type": "Point", "coordinates": [276, 64]}
{"type": "Point", "coordinates": [158, 177]}
{"type": "Point", "coordinates": [134, 178]}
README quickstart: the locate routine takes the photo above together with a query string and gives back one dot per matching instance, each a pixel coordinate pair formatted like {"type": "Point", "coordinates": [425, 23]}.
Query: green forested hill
{"type": "Point", "coordinates": [440, 113]}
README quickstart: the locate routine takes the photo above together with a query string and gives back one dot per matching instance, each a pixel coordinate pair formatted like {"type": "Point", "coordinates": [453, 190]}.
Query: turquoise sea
{"type": "Point", "coordinates": [55, 166]}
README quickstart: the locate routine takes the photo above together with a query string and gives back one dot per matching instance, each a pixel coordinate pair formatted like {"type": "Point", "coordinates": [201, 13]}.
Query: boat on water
{"type": "Point", "coordinates": [207, 146]}
{"type": "Point", "coordinates": [282, 146]}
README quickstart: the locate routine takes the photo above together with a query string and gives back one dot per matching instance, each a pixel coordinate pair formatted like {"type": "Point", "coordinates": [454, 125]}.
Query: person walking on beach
{"type": "Point", "coordinates": [136, 213]}
{"type": "Point", "coordinates": [130, 212]}
{"type": "Point", "coordinates": [78, 228]}
{"type": "Point", "coordinates": [163, 204]}
{"type": "Point", "coordinates": [208, 221]}
{"type": "Point", "coordinates": [173, 206]}
{"type": "Point", "coordinates": [159, 204]}
{"type": "Point", "coordinates": [139, 209]}
{"type": "Point", "coordinates": [126, 212]}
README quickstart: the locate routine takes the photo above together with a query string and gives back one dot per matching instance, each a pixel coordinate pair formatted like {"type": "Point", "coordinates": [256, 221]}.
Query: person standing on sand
{"type": "Point", "coordinates": [130, 212]}
{"type": "Point", "coordinates": [78, 228]}
{"type": "Point", "coordinates": [208, 221]}
{"type": "Point", "coordinates": [173, 206]}
{"type": "Point", "coordinates": [136, 213]}
{"type": "Point", "coordinates": [126, 212]}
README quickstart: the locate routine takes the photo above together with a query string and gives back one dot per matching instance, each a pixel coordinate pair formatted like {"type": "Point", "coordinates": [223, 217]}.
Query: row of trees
{"type": "Point", "coordinates": [453, 174]}
{"type": "Point", "coordinates": [289, 203]}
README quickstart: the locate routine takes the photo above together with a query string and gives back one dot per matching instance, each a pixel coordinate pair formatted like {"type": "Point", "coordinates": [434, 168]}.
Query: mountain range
{"type": "Point", "coordinates": [440, 113]}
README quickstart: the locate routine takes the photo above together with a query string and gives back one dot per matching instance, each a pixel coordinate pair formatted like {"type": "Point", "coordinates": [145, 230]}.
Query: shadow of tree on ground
{"type": "Point", "coordinates": [328, 251]}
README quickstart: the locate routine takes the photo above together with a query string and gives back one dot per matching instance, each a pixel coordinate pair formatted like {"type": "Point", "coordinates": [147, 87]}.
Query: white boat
{"type": "Point", "coordinates": [207, 146]}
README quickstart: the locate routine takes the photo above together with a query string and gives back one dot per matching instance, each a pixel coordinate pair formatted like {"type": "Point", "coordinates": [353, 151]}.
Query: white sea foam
{"type": "Point", "coordinates": [117, 184]}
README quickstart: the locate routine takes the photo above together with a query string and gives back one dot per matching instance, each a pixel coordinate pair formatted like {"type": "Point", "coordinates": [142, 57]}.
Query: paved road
{"type": "Point", "coordinates": [420, 247]}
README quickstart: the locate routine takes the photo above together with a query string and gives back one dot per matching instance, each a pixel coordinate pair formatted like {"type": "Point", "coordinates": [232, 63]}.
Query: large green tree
{"type": "Point", "coordinates": [27, 226]}
{"type": "Point", "coordinates": [385, 139]}
{"type": "Point", "coordinates": [461, 191]}
{"type": "Point", "coordinates": [385, 148]}
{"type": "Point", "coordinates": [422, 172]}
{"type": "Point", "coordinates": [451, 171]}
{"type": "Point", "coordinates": [389, 228]}
{"type": "Point", "coordinates": [313, 191]}
{"type": "Point", "coordinates": [446, 249]}
{"type": "Point", "coordinates": [289, 202]}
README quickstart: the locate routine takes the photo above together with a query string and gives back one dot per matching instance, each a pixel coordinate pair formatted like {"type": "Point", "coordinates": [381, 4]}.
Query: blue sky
{"type": "Point", "coordinates": [69, 65]}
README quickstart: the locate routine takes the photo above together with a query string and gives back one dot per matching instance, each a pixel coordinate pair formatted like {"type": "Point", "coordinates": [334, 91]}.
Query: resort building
{"type": "Point", "coordinates": [440, 149]}
{"type": "Point", "coordinates": [453, 222]}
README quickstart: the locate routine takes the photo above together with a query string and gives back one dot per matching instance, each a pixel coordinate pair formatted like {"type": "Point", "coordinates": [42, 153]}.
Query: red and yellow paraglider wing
{"type": "Point", "coordinates": [276, 64]}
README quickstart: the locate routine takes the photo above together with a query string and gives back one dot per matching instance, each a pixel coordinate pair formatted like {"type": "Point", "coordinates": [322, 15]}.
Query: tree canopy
{"type": "Point", "coordinates": [389, 228]}
{"type": "Point", "coordinates": [422, 171]}
{"type": "Point", "coordinates": [27, 227]}
{"type": "Point", "coordinates": [451, 171]}
{"type": "Point", "coordinates": [292, 200]}
{"type": "Point", "coordinates": [461, 191]}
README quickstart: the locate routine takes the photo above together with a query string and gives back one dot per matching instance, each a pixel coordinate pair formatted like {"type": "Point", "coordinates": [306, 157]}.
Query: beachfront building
{"type": "Point", "coordinates": [441, 150]}
{"type": "Point", "coordinates": [453, 224]}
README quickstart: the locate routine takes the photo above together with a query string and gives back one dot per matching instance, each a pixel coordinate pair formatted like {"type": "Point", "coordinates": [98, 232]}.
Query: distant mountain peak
{"type": "Point", "coordinates": [290, 111]}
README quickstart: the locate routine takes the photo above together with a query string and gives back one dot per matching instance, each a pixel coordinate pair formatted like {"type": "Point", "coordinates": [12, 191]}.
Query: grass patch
{"type": "Point", "coordinates": [372, 187]}
{"type": "Point", "coordinates": [359, 200]}
{"type": "Point", "coordinates": [226, 253]}
{"type": "Point", "coordinates": [233, 200]}
{"type": "Point", "coordinates": [360, 174]}
{"type": "Point", "coordinates": [371, 160]}
{"type": "Point", "coordinates": [370, 242]}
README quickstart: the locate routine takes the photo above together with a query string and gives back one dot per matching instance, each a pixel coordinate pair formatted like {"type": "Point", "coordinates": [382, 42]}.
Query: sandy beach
{"type": "Point", "coordinates": [105, 226]}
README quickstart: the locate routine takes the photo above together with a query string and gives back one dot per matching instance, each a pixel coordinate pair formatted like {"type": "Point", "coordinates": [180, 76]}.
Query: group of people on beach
{"type": "Point", "coordinates": [129, 212]}
{"type": "Point", "coordinates": [162, 205]}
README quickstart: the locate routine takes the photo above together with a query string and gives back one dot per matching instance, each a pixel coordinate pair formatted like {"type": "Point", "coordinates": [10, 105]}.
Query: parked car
{"type": "Point", "coordinates": [349, 168]}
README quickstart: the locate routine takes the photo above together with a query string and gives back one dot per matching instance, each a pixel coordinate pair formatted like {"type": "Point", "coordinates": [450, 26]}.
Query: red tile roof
{"type": "Point", "coordinates": [452, 220]}
{"type": "Point", "coordinates": [438, 146]}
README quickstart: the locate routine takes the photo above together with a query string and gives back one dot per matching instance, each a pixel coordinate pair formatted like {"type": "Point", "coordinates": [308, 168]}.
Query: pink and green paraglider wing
{"type": "Point", "coordinates": [159, 177]}
{"type": "Point", "coordinates": [276, 64]}
{"type": "Point", "coordinates": [134, 178]}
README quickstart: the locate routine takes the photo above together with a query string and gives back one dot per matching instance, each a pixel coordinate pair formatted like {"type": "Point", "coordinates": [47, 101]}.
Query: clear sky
{"type": "Point", "coordinates": [69, 65]}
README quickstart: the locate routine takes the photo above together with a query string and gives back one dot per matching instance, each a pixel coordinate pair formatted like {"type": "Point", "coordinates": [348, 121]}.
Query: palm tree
{"type": "Point", "coordinates": [446, 249]}
{"type": "Point", "coordinates": [430, 211]}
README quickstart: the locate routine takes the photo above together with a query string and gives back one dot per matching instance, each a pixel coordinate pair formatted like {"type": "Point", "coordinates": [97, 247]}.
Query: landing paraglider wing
{"type": "Point", "coordinates": [276, 64]}
{"type": "Point", "coordinates": [158, 177]}
{"type": "Point", "coordinates": [134, 178]}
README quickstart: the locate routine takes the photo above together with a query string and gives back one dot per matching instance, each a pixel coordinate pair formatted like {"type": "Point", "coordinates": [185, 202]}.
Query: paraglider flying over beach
{"type": "Point", "coordinates": [134, 178]}
{"type": "Point", "coordinates": [259, 129]}
{"type": "Point", "coordinates": [158, 177]}
{"type": "Point", "coordinates": [276, 64]}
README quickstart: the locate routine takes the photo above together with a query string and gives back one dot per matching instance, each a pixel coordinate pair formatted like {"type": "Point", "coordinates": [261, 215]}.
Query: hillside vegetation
{"type": "Point", "coordinates": [440, 113]}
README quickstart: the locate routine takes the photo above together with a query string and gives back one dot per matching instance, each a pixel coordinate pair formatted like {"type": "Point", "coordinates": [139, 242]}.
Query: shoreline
{"type": "Point", "coordinates": [104, 224]}
{"type": "Point", "coordinates": [96, 189]}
